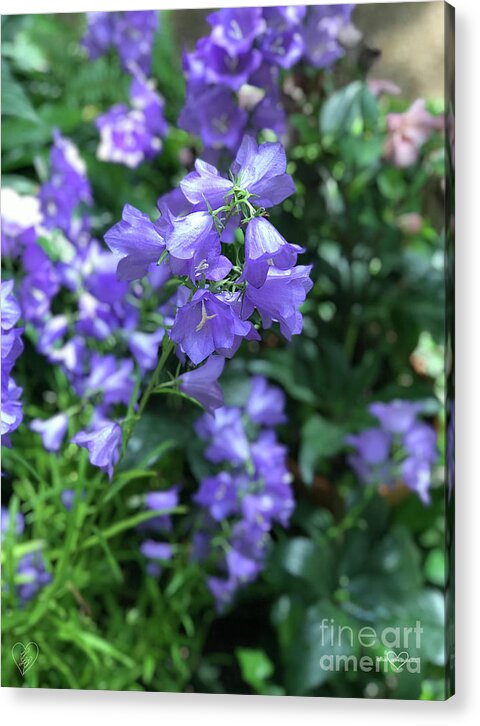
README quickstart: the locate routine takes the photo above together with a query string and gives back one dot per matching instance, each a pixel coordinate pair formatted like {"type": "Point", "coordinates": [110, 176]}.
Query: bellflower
{"type": "Point", "coordinates": [66, 189]}
{"type": "Point", "coordinates": [248, 495]}
{"type": "Point", "coordinates": [52, 430]}
{"type": "Point", "coordinates": [202, 383]}
{"type": "Point", "coordinates": [280, 298]}
{"type": "Point", "coordinates": [12, 347]}
{"type": "Point", "coordinates": [132, 33]}
{"type": "Point", "coordinates": [402, 448]}
{"type": "Point", "coordinates": [266, 404]}
{"type": "Point", "coordinates": [206, 325]}
{"type": "Point", "coordinates": [129, 135]}
{"type": "Point", "coordinates": [103, 445]}
{"type": "Point", "coordinates": [137, 242]}
{"type": "Point", "coordinates": [245, 47]}
{"type": "Point", "coordinates": [34, 573]}
{"type": "Point", "coordinates": [264, 246]}
{"type": "Point", "coordinates": [19, 523]}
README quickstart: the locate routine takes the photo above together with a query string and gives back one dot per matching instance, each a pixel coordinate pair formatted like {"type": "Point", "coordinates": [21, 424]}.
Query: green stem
{"type": "Point", "coordinates": [167, 348]}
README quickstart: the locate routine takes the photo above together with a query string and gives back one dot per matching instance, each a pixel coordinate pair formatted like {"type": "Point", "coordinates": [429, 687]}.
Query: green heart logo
{"type": "Point", "coordinates": [25, 655]}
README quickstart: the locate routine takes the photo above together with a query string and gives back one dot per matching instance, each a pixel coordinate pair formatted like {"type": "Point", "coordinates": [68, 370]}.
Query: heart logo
{"type": "Point", "coordinates": [397, 660]}
{"type": "Point", "coordinates": [25, 655]}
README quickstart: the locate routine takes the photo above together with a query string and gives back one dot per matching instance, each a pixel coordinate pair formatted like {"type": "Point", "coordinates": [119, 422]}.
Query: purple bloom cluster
{"type": "Point", "coordinates": [105, 314]}
{"type": "Point", "coordinates": [131, 134]}
{"type": "Point", "coordinates": [66, 189]}
{"type": "Point", "coordinates": [402, 448]}
{"type": "Point", "coordinates": [12, 346]}
{"type": "Point", "coordinates": [233, 75]}
{"type": "Point", "coordinates": [248, 494]}
{"type": "Point", "coordinates": [213, 233]}
{"type": "Point", "coordinates": [31, 572]}
{"type": "Point", "coordinates": [131, 33]}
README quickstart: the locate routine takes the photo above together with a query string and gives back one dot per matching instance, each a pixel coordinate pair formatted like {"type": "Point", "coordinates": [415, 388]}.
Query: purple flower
{"type": "Point", "coordinates": [52, 430]}
{"type": "Point", "coordinates": [144, 347]}
{"type": "Point", "coordinates": [194, 246]}
{"type": "Point", "coordinates": [39, 285]}
{"type": "Point", "coordinates": [156, 550]}
{"type": "Point", "coordinates": [280, 297]}
{"type": "Point", "coordinates": [236, 28]}
{"type": "Point", "coordinates": [19, 522]}
{"type": "Point", "coordinates": [264, 246]}
{"type": "Point", "coordinates": [66, 189]}
{"type": "Point", "coordinates": [322, 31]}
{"type": "Point", "coordinates": [125, 137]}
{"type": "Point", "coordinates": [34, 575]}
{"type": "Point", "coordinates": [249, 497]}
{"type": "Point", "coordinates": [206, 183]}
{"type": "Point", "coordinates": [202, 383]}
{"type": "Point", "coordinates": [420, 441]}
{"type": "Point", "coordinates": [222, 590]}
{"type": "Point", "coordinates": [207, 325]}
{"type": "Point", "coordinates": [110, 377]}
{"type": "Point", "coordinates": [12, 347]}
{"type": "Point", "coordinates": [98, 35]}
{"type": "Point", "coordinates": [217, 65]}
{"type": "Point", "coordinates": [166, 499]}
{"type": "Point", "coordinates": [266, 404]}
{"type": "Point", "coordinates": [213, 114]}
{"type": "Point", "coordinates": [132, 33]}
{"type": "Point", "coordinates": [261, 170]}
{"type": "Point", "coordinates": [282, 48]}
{"type": "Point", "coordinates": [417, 475]}
{"type": "Point", "coordinates": [396, 416]}
{"type": "Point", "coordinates": [103, 445]}
{"type": "Point", "coordinates": [218, 494]}
{"type": "Point", "coordinates": [68, 498]}
{"type": "Point", "coordinates": [137, 242]}
{"type": "Point", "coordinates": [373, 445]}
{"type": "Point", "coordinates": [226, 435]}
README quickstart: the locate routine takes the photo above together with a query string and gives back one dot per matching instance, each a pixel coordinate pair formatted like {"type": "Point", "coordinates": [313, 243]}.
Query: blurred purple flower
{"type": "Point", "coordinates": [202, 383]}
{"type": "Point", "coordinates": [103, 445]}
{"type": "Point", "coordinates": [52, 430]}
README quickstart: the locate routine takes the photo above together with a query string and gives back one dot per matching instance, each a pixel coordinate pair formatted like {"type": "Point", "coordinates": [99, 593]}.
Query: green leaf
{"type": "Point", "coordinates": [320, 439]}
{"type": "Point", "coordinates": [311, 642]}
{"type": "Point", "coordinates": [15, 102]}
{"type": "Point", "coordinates": [256, 668]}
{"type": "Point", "coordinates": [302, 558]}
{"type": "Point", "coordinates": [351, 109]}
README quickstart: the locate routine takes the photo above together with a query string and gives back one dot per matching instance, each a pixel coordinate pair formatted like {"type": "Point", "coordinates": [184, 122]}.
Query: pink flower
{"type": "Point", "coordinates": [408, 132]}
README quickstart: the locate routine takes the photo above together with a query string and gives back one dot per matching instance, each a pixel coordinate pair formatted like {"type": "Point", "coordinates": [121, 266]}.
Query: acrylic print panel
{"type": "Point", "coordinates": [227, 386]}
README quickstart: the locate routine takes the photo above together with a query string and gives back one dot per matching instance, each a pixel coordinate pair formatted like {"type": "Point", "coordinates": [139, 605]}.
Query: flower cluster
{"type": "Point", "coordinates": [66, 189]}
{"type": "Point", "coordinates": [129, 135]}
{"type": "Point", "coordinates": [248, 494]}
{"type": "Point", "coordinates": [402, 447]}
{"type": "Point", "coordinates": [213, 233]}
{"type": "Point", "coordinates": [12, 347]}
{"type": "Point", "coordinates": [105, 314]}
{"type": "Point", "coordinates": [31, 572]}
{"type": "Point", "coordinates": [408, 132]}
{"type": "Point", "coordinates": [131, 33]}
{"type": "Point", "coordinates": [233, 75]}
